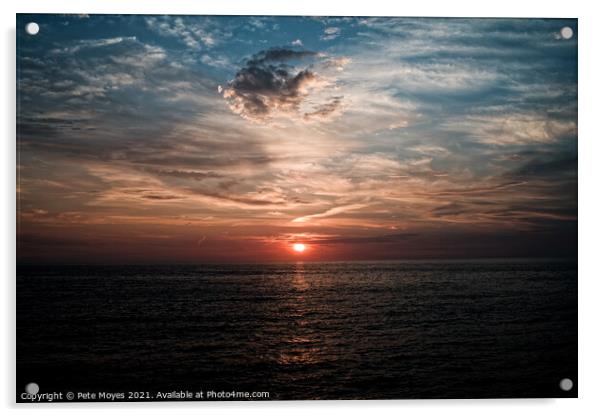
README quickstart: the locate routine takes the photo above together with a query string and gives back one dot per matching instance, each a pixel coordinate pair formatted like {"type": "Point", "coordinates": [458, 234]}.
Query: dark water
{"type": "Point", "coordinates": [302, 331]}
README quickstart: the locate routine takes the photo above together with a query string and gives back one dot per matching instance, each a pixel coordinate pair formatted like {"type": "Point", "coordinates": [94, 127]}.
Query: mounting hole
{"type": "Point", "coordinates": [566, 384]}
{"type": "Point", "coordinates": [32, 28]}
{"type": "Point", "coordinates": [32, 388]}
{"type": "Point", "coordinates": [566, 32]}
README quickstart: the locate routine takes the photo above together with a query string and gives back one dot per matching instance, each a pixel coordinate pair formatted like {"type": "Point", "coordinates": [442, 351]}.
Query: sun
{"type": "Point", "coordinates": [299, 247]}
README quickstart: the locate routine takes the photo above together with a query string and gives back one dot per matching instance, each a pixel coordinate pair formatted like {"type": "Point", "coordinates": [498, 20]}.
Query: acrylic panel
{"type": "Point", "coordinates": [295, 208]}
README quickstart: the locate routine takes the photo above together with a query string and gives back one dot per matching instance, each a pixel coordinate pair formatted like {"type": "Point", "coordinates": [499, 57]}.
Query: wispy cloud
{"type": "Point", "coordinates": [331, 33]}
{"type": "Point", "coordinates": [195, 33]}
{"type": "Point", "coordinates": [329, 213]}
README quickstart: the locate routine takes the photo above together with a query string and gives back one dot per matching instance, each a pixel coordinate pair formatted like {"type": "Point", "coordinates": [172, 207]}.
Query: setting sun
{"type": "Point", "coordinates": [299, 247]}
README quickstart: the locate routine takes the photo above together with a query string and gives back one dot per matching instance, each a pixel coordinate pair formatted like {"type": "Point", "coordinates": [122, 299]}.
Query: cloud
{"type": "Point", "coordinates": [331, 33]}
{"type": "Point", "coordinates": [330, 212]}
{"type": "Point", "coordinates": [103, 86]}
{"type": "Point", "coordinates": [278, 55]}
{"type": "Point", "coordinates": [325, 111]}
{"type": "Point", "coordinates": [297, 42]}
{"type": "Point", "coordinates": [194, 175]}
{"type": "Point", "coordinates": [91, 43]}
{"type": "Point", "coordinates": [515, 128]}
{"type": "Point", "coordinates": [193, 32]}
{"type": "Point", "coordinates": [280, 82]}
{"type": "Point", "coordinates": [255, 22]}
{"type": "Point", "coordinates": [218, 62]}
{"type": "Point", "coordinates": [339, 63]}
{"type": "Point", "coordinates": [94, 68]}
{"type": "Point", "coordinates": [257, 93]}
{"type": "Point", "coordinates": [547, 169]}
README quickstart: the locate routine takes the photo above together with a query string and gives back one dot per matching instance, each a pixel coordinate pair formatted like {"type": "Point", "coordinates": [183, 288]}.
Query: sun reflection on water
{"type": "Point", "coordinates": [300, 344]}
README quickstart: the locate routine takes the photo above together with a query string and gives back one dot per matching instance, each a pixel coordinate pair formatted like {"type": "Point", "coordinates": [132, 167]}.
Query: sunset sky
{"type": "Point", "coordinates": [183, 139]}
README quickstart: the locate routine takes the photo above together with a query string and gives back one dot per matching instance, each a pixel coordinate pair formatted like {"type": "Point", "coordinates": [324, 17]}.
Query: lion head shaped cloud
{"type": "Point", "coordinates": [286, 83]}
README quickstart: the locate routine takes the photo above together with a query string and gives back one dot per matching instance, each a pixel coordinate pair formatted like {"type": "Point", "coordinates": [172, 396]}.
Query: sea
{"type": "Point", "coordinates": [300, 331]}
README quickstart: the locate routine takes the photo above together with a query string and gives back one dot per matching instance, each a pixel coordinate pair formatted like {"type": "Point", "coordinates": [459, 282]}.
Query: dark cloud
{"type": "Point", "coordinates": [392, 238]}
{"type": "Point", "coordinates": [476, 191]}
{"type": "Point", "coordinates": [268, 84]}
{"type": "Point", "coordinates": [193, 175]}
{"type": "Point", "coordinates": [325, 110]}
{"type": "Point", "coordinates": [538, 168]}
{"type": "Point", "coordinates": [160, 197]}
{"type": "Point", "coordinates": [237, 199]}
{"type": "Point", "coordinates": [278, 55]}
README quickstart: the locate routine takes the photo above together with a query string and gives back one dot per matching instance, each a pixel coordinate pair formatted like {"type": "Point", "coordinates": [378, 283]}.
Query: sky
{"type": "Point", "coordinates": [190, 139]}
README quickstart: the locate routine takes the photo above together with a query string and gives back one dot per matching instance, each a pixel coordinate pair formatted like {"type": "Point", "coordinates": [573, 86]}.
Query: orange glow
{"type": "Point", "coordinates": [299, 247]}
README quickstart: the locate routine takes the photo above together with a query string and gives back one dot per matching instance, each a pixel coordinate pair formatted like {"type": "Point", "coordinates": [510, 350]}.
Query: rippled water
{"type": "Point", "coordinates": [302, 331]}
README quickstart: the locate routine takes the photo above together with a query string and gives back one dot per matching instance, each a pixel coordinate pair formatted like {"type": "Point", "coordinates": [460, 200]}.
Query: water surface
{"type": "Point", "coordinates": [304, 330]}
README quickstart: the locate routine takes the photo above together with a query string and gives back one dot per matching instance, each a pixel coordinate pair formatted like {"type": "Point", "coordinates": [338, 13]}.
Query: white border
{"type": "Point", "coordinates": [508, 8]}
{"type": "Point", "coordinates": [590, 187]}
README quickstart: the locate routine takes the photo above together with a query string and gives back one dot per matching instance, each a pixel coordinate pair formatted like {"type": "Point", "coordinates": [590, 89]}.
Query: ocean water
{"type": "Point", "coordinates": [482, 329]}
